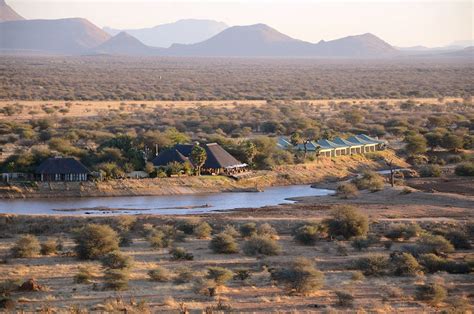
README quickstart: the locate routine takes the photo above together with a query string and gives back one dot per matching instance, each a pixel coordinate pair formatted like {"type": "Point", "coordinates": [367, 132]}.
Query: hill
{"type": "Point", "coordinates": [64, 36]}
{"type": "Point", "coordinates": [7, 13]}
{"type": "Point", "coordinates": [188, 31]}
{"type": "Point", "coordinates": [125, 44]}
{"type": "Point", "coordinates": [261, 40]}
{"type": "Point", "coordinates": [252, 40]}
{"type": "Point", "coordinates": [466, 52]}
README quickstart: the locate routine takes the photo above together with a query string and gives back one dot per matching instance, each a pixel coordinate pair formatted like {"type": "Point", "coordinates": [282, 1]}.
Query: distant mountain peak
{"type": "Point", "coordinates": [185, 31]}
{"type": "Point", "coordinates": [124, 44]}
{"type": "Point", "coordinates": [7, 13]}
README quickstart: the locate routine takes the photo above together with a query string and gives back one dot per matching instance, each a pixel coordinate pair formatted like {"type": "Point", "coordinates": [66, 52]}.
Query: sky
{"type": "Point", "coordinates": [402, 23]}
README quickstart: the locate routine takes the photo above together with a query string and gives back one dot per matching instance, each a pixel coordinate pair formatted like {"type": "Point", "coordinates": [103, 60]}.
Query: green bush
{"type": "Point", "coordinates": [116, 260]}
{"type": "Point", "coordinates": [347, 223]}
{"type": "Point", "coordinates": [230, 230]}
{"type": "Point", "coordinates": [187, 226]}
{"type": "Point", "coordinates": [83, 276]}
{"type": "Point", "coordinates": [434, 244]}
{"type": "Point", "coordinates": [307, 234]}
{"type": "Point", "coordinates": [116, 279]}
{"type": "Point", "coordinates": [184, 275]}
{"type": "Point", "coordinates": [373, 265]}
{"type": "Point", "coordinates": [403, 231]}
{"type": "Point", "coordinates": [432, 263]}
{"type": "Point", "coordinates": [361, 243]}
{"type": "Point", "coordinates": [432, 293]}
{"type": "Point", "coordinates": [94, 241]}
{"type": "Point", "coordinates": [344, 299]}
{"type": "Point", "coordinates": [159, 240]}
{"type": "Point", "coordinates": [258, 245]}
{"type": "Point", "coordinates": [301, 276]}
{"type": "Point", "coordinates": [26, 246]}
{"type": "Point", "coordinates": [48, 248]}
{"type": "Point", "coordinates": [203, 230]}
{"type": "Point", "coordinates": [404, 264]}
{"type": "Point", "coordinates": [247, 230]}
{"type": "Point", "coordinates": [242, 274]}
{"type": "Point", "coordinates": [220, 275]}
{"type": "Point", "coordinates": [430, 171]}
{"type": "Point", "coordinates": [223, 243]}
{"type": "Point", "coordinates": [267, 230]}
{"type": "Point", "coordinates": [159, 274]}
{"type": "Point", "coordinates": [465, 169]}
{"type": "Point", "coordinates": [179, 253]}
{"type": "Point", "coordinates": [459, 240]}
{"type": "Point", "coordinates": [370, 180]}
{"type": "Point", "coordinates": [347, 190]}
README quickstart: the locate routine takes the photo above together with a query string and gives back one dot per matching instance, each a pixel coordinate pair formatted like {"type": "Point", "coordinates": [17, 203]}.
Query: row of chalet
{"type": "Point", "coordinates": [218, 160]}
{"type": "Point", "coordinates": [357, 144]}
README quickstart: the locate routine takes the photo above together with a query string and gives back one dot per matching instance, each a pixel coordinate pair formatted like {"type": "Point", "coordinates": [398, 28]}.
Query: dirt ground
{"type": "Point", "coordinates": [259, 293]}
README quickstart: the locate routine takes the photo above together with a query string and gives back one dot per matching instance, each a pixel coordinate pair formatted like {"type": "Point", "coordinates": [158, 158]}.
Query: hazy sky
{"type": "Point", "coordinates": [399, 22]}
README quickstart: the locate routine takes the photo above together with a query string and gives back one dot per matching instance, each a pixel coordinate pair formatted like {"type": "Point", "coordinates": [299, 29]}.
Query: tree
{"type": "Point", "coordinates": [198, 158]}
{"type": "Point", "coordinates": [415, 144]}
{"type": "Point", "coordinates": [249, 150]}
{"type": "Point", "coordinates": [95, 241]}
{"type": "Point", "coordinates": [433, 139]}
{"type": "Point", "coordinates": [452, 142]}
{"type": "Point", "coordinates": [295, 139]}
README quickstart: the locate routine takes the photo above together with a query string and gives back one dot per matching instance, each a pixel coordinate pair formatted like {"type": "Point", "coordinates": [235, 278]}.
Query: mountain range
{"type": "Point", "coordinates": [77, 36]}
{"type": "Point", "coordinates": [189, 31]}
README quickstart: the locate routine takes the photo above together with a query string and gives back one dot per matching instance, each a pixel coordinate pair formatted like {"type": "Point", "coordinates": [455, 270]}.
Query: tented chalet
{"type": "Point", "coordinates": [218, 160]}
{"type": "Point", "coordinates": [358, 144]}
{"type": "Point", "coordinates": [62, 169]}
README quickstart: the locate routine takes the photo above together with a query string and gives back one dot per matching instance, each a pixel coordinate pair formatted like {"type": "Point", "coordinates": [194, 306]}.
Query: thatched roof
{"type": "Point", "coordinates": [217, 157]}
{"type": "Point", "coordinates": [59, 165]}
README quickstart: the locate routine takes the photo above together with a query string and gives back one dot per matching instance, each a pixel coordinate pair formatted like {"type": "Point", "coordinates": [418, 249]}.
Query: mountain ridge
{"type": "Point", "coordinates": [8, 14]}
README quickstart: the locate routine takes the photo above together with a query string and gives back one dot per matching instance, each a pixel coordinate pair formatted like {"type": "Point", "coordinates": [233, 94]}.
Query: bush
{"type": "Point", "coordinates": [434, 244]}
{"type": "Point", "coordinates": [307, 234]}
{"type": "Point", "coordinates": [465, 169]}
{"type": "Point", "coordinates": [184, 275]}
{"type": "Point", "coordinates": [247, 230]}
{"type": "Point", "coordinates": [432, 293]}
{"type": "Point", "coordinates": [373, 265]}
{"type": "Point", "coordinates": [159, 274]}
{"type": "Point", "coordinates": [94, 241]}
{"type": "Point", "coordinates": [230, 230]}
{"type": "Point", "coordinates": [159, 240]}
{"type": "Point", "coordinates": [180, 254]}
{"type": "Point", "coordinates": [347, 222]}
{"type": "Point", "coordinates": [188, 226]}
{"type": "Point", "coordinates": [116, 260]}
{"type": "Point", "coordinates": [125, 240]}
{"type": "Point", "coordinates": [83, 276]}
{"type": "Point", "coordinates": [433, 263]}
{"type": "Point", "coordinates": [347, 190]}
{"type": "Point", "coordinates": [223, 243]}
{"type": "Point", "coordinates": [203, 230]}
{"type": "Point", "coordinates": [357, 276]}
{"type": "Point", "coordinates": [430, 171]}
{"type": "Point", "coordinates": [361, 243]}
{"type": "Point", "coordinates": [301, 276]}
{"type": "Point", "coordinates": [27, 246]}
{"type": "Point", "coordinates": [258, 245]}
{"type": "Point", "coordinates": [220, 275]}
{"type": "Point", "coordinates": [116, 279]}
{"type": "Point", "coordinates": [403, 231]}
{"type": "Point", "coordinates": [404, 264]}
{"type": "Point", "coordinates": [344, 299]}
{"type": "Point", "coordinates": [267, 230]}
{"type": "Point", "coordinates": [48, 248]}
{"type": "Point", "coordinates": [370, 180]}
{"type": "Point", "coordinates": [459, 240]}
{"type": "Point", "coordinates": [242, 274]}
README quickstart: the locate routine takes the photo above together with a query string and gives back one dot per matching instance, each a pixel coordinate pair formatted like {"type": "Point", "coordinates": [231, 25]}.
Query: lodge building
{"type": "Point", "coordinates": [65, 169]}
{"type": "Point", "coordinates": [218, 160]}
